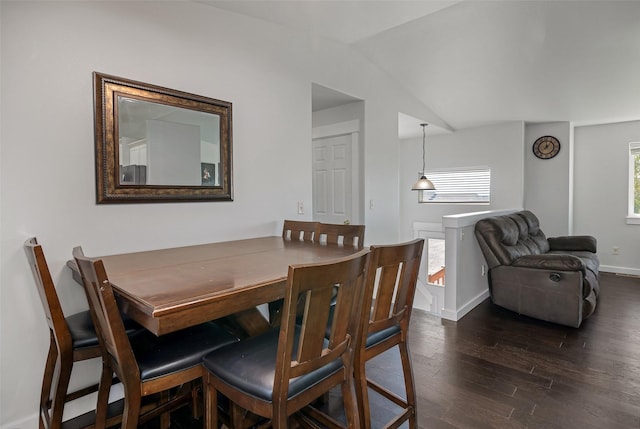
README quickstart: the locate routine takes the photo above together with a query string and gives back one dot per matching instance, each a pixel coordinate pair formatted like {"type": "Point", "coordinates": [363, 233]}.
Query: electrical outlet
{"type": "Point", "coordinates": [300, 208]}
{"type": "Point", "coordinates": [616, 250]}
{"type": "Point", "coordinates": [483, 270]}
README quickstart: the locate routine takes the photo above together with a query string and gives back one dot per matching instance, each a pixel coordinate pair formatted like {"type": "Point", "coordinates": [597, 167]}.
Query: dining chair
{"type": "Point", "coordinates": [388, 299]}
{"type": "Point", "coordinates": [277, 373]}
{"type": "Point", "coordinates": [294, 230]}
{"type": "Point", "coordinates": [299, 230]}
{"type": "Point", "coordinates": [71, 339]}
{"type": "Point", "coordinates": [146, 364]}
{"type": "Point", "coordinates": [345, 234]}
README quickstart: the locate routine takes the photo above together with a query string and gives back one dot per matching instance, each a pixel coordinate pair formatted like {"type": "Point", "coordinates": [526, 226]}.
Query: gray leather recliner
{"type": "Point", "coordinates": [552, 279]}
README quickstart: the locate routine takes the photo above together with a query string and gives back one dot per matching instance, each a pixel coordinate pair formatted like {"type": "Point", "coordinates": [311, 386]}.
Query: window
{"type": "Point", "coordinates": [460, 185]}
{"type": "Point", "coordinates": [634, 183]}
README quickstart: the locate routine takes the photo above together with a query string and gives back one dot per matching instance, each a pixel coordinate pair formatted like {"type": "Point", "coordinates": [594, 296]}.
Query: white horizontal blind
{"type": "Point", "coordinates": [460, 185]}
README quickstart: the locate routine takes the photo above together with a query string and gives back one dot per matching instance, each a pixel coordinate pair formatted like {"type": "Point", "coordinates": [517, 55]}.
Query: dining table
{"type": "Point", "coordinates": [166, 290]}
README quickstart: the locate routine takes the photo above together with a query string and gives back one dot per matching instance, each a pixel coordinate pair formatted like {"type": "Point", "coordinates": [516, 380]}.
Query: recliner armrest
{"type": "Point", "coordinates": [558, 262]}
{"type": "Point", "coordinates": [574, 242]}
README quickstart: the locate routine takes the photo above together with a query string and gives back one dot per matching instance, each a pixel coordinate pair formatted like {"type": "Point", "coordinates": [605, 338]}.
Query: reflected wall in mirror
{"type": "Point", "coordinates": [155, 144]}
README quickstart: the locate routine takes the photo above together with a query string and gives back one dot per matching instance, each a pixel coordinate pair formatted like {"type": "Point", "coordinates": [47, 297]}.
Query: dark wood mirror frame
{"type": "Point", "coordinates": [109, 187]}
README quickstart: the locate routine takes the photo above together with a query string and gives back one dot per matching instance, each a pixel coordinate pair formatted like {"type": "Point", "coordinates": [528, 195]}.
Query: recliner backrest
{"type": "Point", "coordinates": [504, 239]}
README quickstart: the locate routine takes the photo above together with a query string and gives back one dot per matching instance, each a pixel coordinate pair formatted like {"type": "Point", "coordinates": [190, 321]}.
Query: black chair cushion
{"type": "Point", "coordinates": [377, 337]}
{"type": "Point", "coordinates": [249, 365]}
{"type": "Point", "coordinates": [83, 333]}
{"type": "Point", "coordinates": [178, 350]}
{"type": "Point", "coordinates": [373, 338]}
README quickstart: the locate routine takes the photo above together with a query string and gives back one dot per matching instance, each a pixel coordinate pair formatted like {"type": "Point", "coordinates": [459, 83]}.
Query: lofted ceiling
{"type": "Point", "coordinates": [477, 62]}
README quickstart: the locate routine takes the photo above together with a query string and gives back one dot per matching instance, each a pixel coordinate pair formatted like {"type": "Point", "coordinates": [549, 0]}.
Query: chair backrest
{"type": "Point", "coordinates": [347, 235]}
{"type": "Point", "coordinates": [391, 284]}
{"type": "Point", "coordinates": [106, 317]}
{"type": "Point", "coordinates": [48, 295]}
{"type": "Point", "coordinates": [315, 284]}
{"type": "Point", "coordinates": [299, 230]}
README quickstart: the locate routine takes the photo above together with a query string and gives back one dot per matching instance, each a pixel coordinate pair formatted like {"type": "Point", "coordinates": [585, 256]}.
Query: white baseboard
{"type": "Point", "coordinates": [459, 313]}
{"type": "Point", "coordinates": [620, 270]}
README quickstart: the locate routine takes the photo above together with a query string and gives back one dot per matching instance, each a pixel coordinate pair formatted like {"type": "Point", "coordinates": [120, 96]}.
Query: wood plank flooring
{"type": "Point", "coordinates": [496, 369]}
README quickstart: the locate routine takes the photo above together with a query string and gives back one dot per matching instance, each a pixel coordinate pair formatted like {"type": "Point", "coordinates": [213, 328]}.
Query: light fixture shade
{"type": "Point", "coordinates": [423, 184]}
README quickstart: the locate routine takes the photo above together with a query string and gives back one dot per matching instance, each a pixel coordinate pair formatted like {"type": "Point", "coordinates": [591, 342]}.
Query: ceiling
{"type": "Point", "coordinates": [478, 62]}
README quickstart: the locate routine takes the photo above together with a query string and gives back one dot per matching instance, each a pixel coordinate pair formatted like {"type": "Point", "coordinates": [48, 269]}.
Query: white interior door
{"type": "Point", "coordinates": [332, 179]}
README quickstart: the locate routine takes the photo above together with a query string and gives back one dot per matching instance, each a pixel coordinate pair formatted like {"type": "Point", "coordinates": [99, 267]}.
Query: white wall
{"type": "Point", "coordinates": [48, 52]}
{"type": "Point", "coordinates": [601, 189]}
{"type": "Point", "coordinates": [548, 182]}
{"type": "Point", "coordinates": [497, 146]}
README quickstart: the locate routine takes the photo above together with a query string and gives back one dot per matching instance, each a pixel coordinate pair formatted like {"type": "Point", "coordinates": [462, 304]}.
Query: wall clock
{"type": "Point", "coordinates": [546, 147]}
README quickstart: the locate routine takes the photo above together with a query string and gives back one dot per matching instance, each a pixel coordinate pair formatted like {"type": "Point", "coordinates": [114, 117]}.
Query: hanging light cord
{"type": "Point", "coordinates": [424, 138]}
{"type": "Point", "coordinates": [423, 184]}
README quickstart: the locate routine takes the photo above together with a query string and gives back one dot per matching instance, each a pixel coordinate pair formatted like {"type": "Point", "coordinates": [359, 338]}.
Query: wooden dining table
{"type": "Point", "coordinates": [167, 290]}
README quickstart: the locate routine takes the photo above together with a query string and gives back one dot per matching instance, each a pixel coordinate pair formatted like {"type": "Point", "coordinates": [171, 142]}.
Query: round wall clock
{"type": "Point", "coordinates": [546, 147]}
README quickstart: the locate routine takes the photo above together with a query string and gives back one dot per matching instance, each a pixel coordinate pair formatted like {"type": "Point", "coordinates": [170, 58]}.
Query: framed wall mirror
{"type": "Point", "coordinates": [154, 144]}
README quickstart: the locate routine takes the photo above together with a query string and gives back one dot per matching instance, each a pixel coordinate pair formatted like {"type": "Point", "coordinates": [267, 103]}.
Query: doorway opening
{"type": "Point", "coordinates": [435, 261]}
{"type": "Point", "coordinates": [337, 141]}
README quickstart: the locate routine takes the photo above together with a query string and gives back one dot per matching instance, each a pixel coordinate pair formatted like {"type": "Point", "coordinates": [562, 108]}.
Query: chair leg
{"type": "Point", "coordinates": [210, 405]}
{"type": "Point", "coordinates": [350, 404]}
{"type": "Point", "coordinates": [129, 418]}
{"type": "Point", "coordinates": [131, 412]}
{"type": "Point", "coordinates": [106, 379]}
{"type": "Point", "coordinates": [47, 378]}
{"type": "Point", "coordinates": [409, 384]}
{"type": "Point", "coordinates": [196, 404]}
{"type": "Point", "coordinates": [60, 384]}
{"type": "Point", "coordinates": [362, 394]}
{"type": "Point", "coordinates": [237, 415]}
{"type": "Point", "coordinates": [280, 422]}
{"type": "Point", "coordinates": [165, 418]}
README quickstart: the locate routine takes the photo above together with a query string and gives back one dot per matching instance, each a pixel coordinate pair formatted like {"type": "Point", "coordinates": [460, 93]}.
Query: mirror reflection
{"type": "Point", "coordinates": [167, 145]}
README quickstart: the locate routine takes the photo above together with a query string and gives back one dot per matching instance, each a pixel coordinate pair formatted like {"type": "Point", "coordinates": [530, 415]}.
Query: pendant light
{"type": "Point", "coordinates": [423, 184]}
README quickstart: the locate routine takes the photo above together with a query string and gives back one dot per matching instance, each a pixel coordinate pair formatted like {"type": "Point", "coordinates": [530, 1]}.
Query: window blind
{"type": "Point", "coordinates": [459, 185]}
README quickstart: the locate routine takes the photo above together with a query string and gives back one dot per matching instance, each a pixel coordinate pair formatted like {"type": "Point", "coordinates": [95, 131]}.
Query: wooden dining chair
{"type": "Point", "coordinates": [299, 230]}
{"type": "Point", "coordinates": [71, 339]}
{"type": "Point", "coordinates": [147, 364]}
{"type": "Point", "coordinates": [389, 292]}
{"type": "Point", "coordinates": [347, 235]}
{"type": "Point", "coordinates": [294, 230]}
{"type": "Point", "coordinates": [277, 373]}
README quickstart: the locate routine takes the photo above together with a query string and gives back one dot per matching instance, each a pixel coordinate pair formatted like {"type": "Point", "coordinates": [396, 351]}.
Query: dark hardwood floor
{"type": "Point", "coordinates": [496, 369]}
